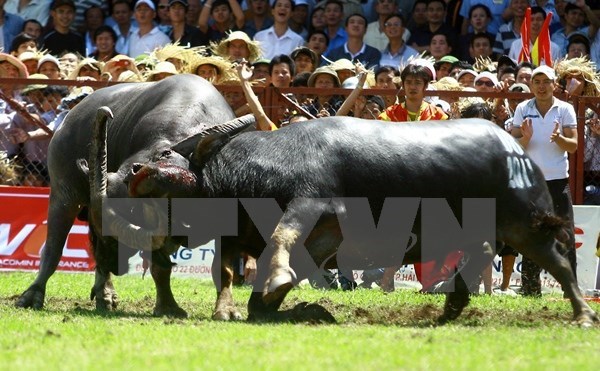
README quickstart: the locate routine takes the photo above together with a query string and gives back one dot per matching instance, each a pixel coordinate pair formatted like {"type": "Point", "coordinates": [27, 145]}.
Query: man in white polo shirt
{"type": "Point", "coordinates": [546, 127]}
{"type": "Point", "coordinates": [279, 38]}
{"type": "Point", "coordinates": [147, 36]}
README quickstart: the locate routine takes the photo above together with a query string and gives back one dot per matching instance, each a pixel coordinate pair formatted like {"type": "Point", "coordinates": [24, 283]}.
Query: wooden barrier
{"type": "Point", "coordinates": [273, 103]}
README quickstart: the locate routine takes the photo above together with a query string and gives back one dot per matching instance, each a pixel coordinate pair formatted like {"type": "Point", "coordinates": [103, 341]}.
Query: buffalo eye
{"type": "Point", "coordinates": [166, 153]}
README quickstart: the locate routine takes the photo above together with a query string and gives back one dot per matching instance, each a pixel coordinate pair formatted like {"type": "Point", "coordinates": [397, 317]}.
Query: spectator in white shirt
{"type": "Point", "coordinates": [546, 128]}
{"type": "Point", "coordinates": [376, 30]}
{"type": "Point", "coordinates": [147, 37]}
{"type": "Point", "coordinates": [279, 38]}
{"type": "Point", "coordinates": [28, 9]}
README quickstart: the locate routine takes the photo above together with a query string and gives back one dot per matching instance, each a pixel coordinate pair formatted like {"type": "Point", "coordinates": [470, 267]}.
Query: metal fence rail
{"type": "Point", "coordinates": [29, 157]}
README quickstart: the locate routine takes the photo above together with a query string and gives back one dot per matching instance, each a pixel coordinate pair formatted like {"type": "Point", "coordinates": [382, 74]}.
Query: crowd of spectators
{"type": "Point", "coordinates": [461, 45]}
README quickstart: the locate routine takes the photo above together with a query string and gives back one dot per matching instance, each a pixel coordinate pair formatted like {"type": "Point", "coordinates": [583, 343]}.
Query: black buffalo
{"type": "Point", "coordinates": [149, 119]}
{"type": "Point", "coordinates": [305, 167]}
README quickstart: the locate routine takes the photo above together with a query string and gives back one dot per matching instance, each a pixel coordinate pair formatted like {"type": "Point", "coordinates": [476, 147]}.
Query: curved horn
{"type": "Point", "coordinates": [130, 234]}
{"type": "Point", "coordinates": [232, 127]}
{"type": "Point", "coordinates": [97, 163]}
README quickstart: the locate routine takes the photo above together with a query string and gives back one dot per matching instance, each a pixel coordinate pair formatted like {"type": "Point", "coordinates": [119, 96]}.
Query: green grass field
{"type": "Point", "coordinates": [375, 331]}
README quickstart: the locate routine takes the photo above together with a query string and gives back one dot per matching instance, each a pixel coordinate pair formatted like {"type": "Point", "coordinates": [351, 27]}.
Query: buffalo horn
{"type": "Point", "coordinates": [128, 233]}
{"type": "Point", "coordinates": [232, 127]}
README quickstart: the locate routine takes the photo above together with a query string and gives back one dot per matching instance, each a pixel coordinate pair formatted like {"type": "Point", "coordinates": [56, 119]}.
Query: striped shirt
{"type": "Point", "coordinates": [505, 38]}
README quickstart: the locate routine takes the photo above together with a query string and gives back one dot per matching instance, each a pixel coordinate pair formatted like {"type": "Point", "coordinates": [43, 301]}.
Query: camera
{"type": "Point", "coordinates": [122, 63]}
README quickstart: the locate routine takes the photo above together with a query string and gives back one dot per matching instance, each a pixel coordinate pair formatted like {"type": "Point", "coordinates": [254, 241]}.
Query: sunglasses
{"type": "Point", "coordinates": [163, 6]}
{"type": "Point", "coordinates": [487, 83]}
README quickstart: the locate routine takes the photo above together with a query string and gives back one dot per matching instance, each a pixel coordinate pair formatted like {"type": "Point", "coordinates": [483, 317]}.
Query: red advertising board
{"type": "Point", "coordinates": [23, 226]}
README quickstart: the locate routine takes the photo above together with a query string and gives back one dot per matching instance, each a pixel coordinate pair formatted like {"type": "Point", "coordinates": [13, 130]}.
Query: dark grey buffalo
{"type": "Point", "coordinates": [313, 170]}
{"type": "Point", "coordinates": [149, 119]}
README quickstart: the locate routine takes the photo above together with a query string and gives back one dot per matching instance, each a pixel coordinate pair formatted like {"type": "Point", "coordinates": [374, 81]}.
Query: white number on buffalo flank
{"type": "Point", "coordinates": [511, 145]}
{"type": "Point", "coordinates": [518, 172]}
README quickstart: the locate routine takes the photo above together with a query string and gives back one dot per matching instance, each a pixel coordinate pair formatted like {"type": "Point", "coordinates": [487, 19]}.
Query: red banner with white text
{"type": "Point", "coordinates": [23, 226]}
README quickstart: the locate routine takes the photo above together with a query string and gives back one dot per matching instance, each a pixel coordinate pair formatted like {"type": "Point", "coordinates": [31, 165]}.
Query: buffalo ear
{"type": "Point", "coordinates": [208, 147]}
{"type": "Point", "coordinates": [82, 165]}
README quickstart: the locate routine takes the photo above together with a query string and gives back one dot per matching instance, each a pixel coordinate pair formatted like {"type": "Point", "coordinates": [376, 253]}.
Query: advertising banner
{"type": "Point", "coordinates": [23, 226]}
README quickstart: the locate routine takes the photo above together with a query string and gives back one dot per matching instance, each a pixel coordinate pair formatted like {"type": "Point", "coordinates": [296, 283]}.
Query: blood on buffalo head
{"type": "Point", "coordinates": [165, 176]}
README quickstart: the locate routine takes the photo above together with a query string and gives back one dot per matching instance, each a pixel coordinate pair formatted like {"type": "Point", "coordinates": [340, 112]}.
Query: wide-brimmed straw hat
{"type": "Point", "coordinates": [29, 88]}
{"type": "Point", "coordinates": [324, 70]}
{"type": "Point", "coordinates": [220, 48]}
{"type": "Point", "coordinates": [342, 64]}
{"type": "Point", "coordinates": [583, 68]}
{"type": "Point", "coordinates": [26, 56]}
{"type": "Point", "coordinates": [186, 55]}
{"type": "Point", "coordinates": [91, 62]}
{"type": "Point", "coordinates": [161, 67]}
{"type": "Point", "coordinates": [224, 67]}
{"type": "Point", "coordinates": [15, 62]}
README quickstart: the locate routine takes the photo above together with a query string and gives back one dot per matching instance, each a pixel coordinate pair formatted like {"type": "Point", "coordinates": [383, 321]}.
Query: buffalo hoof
{"type": "Point", "coordinates": [456, 301]}
{"type": "Point", "coordinates": [31, 298]}
{"type": "Point", "coordinates": [587, 319]}
{"type": "Point", "coordinates": [106, 299]}
{"type": "Point", "coordinates": [175, 312]}
{"type": "Point", "coordinates": [451, 312]}
{"type": "Point", "coordinates": [227, 314]}
{"type": "Point", "coordinates": [278, 285]}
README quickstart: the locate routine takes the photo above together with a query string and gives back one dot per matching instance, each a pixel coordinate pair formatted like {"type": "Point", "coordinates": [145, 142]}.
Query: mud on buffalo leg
{"type": "Point", "coordinates": [165, 302]}
{"type": "Point", "coordinates": [103, 291]}
{"type": "Point", "coordinates": [547, 256]}
{"type": "Point", "coordinates": [294, 227]}
{"type": "Point", "coordinates": [61, 215]}
{"type": "Point", "coordinates": [222, 273]}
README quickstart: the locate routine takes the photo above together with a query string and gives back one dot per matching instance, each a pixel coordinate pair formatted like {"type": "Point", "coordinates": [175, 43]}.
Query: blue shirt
{"type": "Point", "coordinates": [368, 55]}
{"type": "Point", "coordinates": [398, 59]}
{"type": "Point", "coordinates": [337, 41]}
{"type": "Point", "coordinates": [497, 7]}
{"type": "Point", "coordinates": [562, 40]}
{"type": "Point", "coordinates": [13, 24]}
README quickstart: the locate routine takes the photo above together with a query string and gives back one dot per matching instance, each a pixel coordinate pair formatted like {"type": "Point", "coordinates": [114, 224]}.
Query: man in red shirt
{"type": "Point", "coordinates": [415, 78]}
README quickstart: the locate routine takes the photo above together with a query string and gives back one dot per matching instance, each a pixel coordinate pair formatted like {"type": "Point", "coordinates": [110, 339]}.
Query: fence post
{"type": "Point", "coordinates": [268, 103]}
{"type": "Point", "coordinates": [576, 163]}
